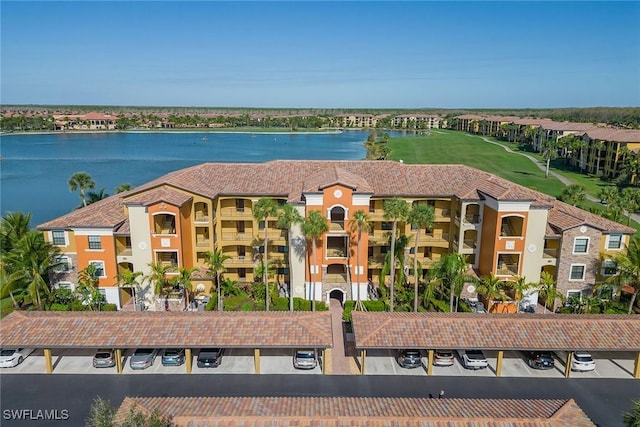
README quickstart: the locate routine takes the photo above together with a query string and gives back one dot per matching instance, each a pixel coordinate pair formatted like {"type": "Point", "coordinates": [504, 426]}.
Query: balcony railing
{"type": "Point", "coordinates": [125, 252]}
{"type": "Point", "coordinates": [233, 211]}
{"type": "Point", "coordinates": [550, 253]}
{"type": "Point", "coordinates": [203, 242]}
{"type": "Point", "coordinates": [469, 243]}
{"type": "Point", "coordinates": [336, 253]}
{"type": "Point", "coordinates": [202, 217]}
{"type": "Point", "coordinates": [472, 219]}
{"type": "Point", "coordinates": [335, 278]}
{"type": "Point", "coordinates": [336, 225]}
{"type": "Point", "coordinates": [507, 270]}
{"type": "Point", "coordinates": [237, 236]}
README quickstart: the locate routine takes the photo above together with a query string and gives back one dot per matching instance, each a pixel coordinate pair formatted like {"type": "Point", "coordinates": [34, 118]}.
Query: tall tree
{"type": "Point", "coordinates": [215, 262]}
{"type": "Point", "coordinates": [421, 216]}
{"type": "Point", "coordinates": [130, 279]}
{"type": "Point", "coordinates": [548, 291]}
{"type": "Point", "coordinates": [262, 210]}
{"type": "Point", "coordinates": [629, 270]}
{"type": "Point", "coordinates": [395, 210]}
{"type": "Point", "coordinates": [158, 277]}
{"type": "Point", "coordinates": [183, 280]}
{"type": "Point", "coordinates": [122, 188]}
{"type": "Point", "coordinates": [314, 227]}
{"type": "Point", "coordinates": [360, 222]}
{"type": "Point", "coordinates": [287, 218]}
{"type": "Point", "coordinates": [573, 195]}
{"type": "Point", "coordinates": [549, 148]}
{"type": "Point", "coordinates": [450, 272]}
{"type": "Point", "coordinates": [81, 181]}
{"type": "Point", "coordinates": [492, 288]}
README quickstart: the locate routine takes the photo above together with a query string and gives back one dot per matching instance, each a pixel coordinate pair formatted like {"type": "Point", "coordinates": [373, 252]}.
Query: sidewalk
{"type": "Point", "coordinates": [343, 362]}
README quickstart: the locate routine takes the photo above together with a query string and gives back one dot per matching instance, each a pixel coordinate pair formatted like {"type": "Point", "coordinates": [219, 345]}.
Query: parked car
{"type": "Point", "coordinates": [443, 358]}
{"type": "Point", "coordinates": [473, 359]}
{"type": "Point", "coordinates": [104, 358]}
{"type": "Point", "coordinates": [582, 362]}
{"type": "Point", "coordinates": [409, 358]}
{"type": "Point", "coordinates": [540, 359]}
{"type": "Point", "coordinates": [173, 357]}
{"type": "Point", "coordinates": [10, 357]}
{"type": "Point", "coordinates": [210, 357]}
{"type": "Point", "coordinates": [142, 358]}
{"type": "Point", "coordinates": [305, 359]}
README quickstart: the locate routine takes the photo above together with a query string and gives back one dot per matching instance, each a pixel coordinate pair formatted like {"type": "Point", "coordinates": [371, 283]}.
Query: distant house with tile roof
{"type": "Point", "coordinates": [89, 121]}
{"type": "Point", "coordinates": [502, 228]}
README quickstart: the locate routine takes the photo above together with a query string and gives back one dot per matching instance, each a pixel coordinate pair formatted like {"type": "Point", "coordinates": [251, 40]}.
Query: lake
{"type": "Point", "coordinates": [34, 169]}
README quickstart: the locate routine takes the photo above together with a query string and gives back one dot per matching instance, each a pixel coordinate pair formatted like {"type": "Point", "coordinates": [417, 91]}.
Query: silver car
{"type": "Point", "coordinates": [10, 357]}
{"type": "Point", "coordinates": [142, 358]}
{"type": "Point", "coordinates": [305, 359]}
{"type": "Point", "coordinates": [104, 358]}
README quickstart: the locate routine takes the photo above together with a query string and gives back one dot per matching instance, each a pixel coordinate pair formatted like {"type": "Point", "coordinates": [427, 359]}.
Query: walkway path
{"type": "Point", "coordinates": [542, 166]}
{"type": "Point", "coordinates": [342, 362]}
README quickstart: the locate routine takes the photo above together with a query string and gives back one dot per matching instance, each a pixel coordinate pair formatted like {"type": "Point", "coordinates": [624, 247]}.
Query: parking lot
{"type": "Point", "coordinates": [234, 361]}
{"type": "Point", "coordinates": [514, 364]}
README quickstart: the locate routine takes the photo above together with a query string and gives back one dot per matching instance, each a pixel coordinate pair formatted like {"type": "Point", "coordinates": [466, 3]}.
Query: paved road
{"type": "Point", "coordinates": [604, 400]}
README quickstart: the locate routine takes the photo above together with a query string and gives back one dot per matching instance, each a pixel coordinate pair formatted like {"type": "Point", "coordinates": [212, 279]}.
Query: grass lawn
{"type": "Point", "coordinates": [450, 147]}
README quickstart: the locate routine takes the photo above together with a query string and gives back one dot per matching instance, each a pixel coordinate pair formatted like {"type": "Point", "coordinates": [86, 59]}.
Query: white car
{"type": "Point", "coordinates": [582, 361]}
{"type": "Point", "coordinates": [473, 359]}
{"type": "Point", "coordinates": [10, 357]}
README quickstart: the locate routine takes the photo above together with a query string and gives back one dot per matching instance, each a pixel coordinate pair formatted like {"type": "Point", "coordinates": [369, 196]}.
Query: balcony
{"type": "Point", "coordinates": [203, 243]}
{"type": "Point", "coordinates": [240, 262]}
{"type": "Point", "coordinates": [201, 217]}
{"type": "Point", "coordinates": [550, 253]}
{"type": "Point", "coordinates": [505, 269]}
{"type": "Point", "coordinates": [233, 212]}
{"type": "Point", "coordinates": [336, 278]}
{"type": "Point", "coordinates": [472, 219]}
{"type": "Point", "coordinates": [336, 225]}
{"type": "Point", "coordinates": [469, 243]}
{"type": "Point", "coordinates": [336, 253]}
{"type": "Point", "coordinates": [235, 236]}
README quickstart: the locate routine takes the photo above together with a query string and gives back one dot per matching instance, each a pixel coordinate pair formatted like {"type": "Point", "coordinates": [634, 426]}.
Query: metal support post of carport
{"type": "Point", "coordinates": [567, 366]}
{"type": "Point", "coordinates": [118, 360]}
{"type": "Point", "coordinates": [256, 359]}
{"type": "Point", "coordinates": [636, 366]}
{"type": "Point", "coordinates": [326, 361]}
{"type": "Point", "coordinates": [189, 360]}
{"type": "Point", "coordinates": [430, 363]}
{"type": "Point", "coordinates": [363, 354]}
{"type": "Point", "coordinates": [47, 361]}
{"type": "Point", "coordinates": [499, 363]}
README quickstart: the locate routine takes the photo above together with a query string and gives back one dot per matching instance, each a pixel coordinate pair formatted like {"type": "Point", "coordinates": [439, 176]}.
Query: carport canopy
{"type": "Point", "coordinates": [39, 329]}
{"type": "Point", "coordinates": [496, 331]}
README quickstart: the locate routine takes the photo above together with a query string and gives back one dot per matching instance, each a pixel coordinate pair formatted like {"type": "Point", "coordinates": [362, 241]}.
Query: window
{"type": "Point", "coordinates": [614, 241]}
{"type": "Point", "coordinates": [384, 249]}
{"type": "Point", "coordinates": [260, 225]}
{"type": "Point", "coordinates": [608, 268]}
{"type": "Point", "coordinates": [58, 238]}
{"type": "Point", "coordinates": [242, 273]}
{"type": "Point", "coordinates": [94, 242]}
{"type": "Point", "coordinates": [240, 205]}
{"type": "Point", "coordinates": [64, 285]}
{"type": "Point", "coordinates": [573, 296]}
{"type": "Point", "coordinates": [99, 265]}
{"type": "Point", "coordinates": [387, 225]}
{"type": "Point", "coordinates": [577, 272]}
{"type": "Point", "coordinates": [581, 245]}
{"type": "Point", "coordinates": [283, 249]}
{"type": "Point", "coordinates": [372, 206]}
{"type": "Point", "coordinates": [63, 264]}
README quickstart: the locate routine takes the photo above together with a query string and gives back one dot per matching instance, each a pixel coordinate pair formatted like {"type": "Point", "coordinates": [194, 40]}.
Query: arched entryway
{"type": "Point", "coordinates": [337, 295]}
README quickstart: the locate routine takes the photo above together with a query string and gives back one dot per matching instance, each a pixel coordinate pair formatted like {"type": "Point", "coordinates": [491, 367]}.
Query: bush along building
{"type": "Point", "coordinates": [175, 221]}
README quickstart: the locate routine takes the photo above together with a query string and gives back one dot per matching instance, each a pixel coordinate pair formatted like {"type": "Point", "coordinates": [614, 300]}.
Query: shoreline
{"type": "Point", "coordinates": [192, 130]}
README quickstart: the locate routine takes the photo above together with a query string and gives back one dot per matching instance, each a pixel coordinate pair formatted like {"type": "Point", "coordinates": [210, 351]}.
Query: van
{"type": "Point", "coordinates": [305, 359]}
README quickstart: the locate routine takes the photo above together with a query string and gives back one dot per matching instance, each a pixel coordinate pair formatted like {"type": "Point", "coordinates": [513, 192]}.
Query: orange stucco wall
{"type": "Point", "coordinates": [107, 254]}
{"type": "Point", "coordinates": [157, 239]}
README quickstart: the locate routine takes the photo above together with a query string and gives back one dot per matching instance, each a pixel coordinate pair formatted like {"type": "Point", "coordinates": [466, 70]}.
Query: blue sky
{"type": "Point", "coordinates": [324, 55]}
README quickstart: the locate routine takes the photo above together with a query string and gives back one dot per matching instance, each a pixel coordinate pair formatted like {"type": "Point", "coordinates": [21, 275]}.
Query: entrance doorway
{"type": "Point", "coordinates": [336, 295]}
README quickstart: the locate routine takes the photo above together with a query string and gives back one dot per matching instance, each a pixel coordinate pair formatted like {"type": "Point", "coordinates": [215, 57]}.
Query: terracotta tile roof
{"type": "Point", "coordinates": [94, 115]}
{"type": "Point", "coordinates": [335, 175]}
{"type": "Point", "coordinates": [612, 134]}
{"type": "Point", "coordinates": [123, 229]}
{"type": "Point", "coordinates": [160, 194]}
{"type": "Point", "coordinates": [564, 216]}
{"type": "Point", "coordinates": [499, 331]}
{"type": "Point", "coordinates": [166, 329]}
{"type": "Point", "coordinates": [108, 212]}
{"type": "Point", "coordinates": [358, 411]}
{"type": "Point", "coordinates": [288, 179]}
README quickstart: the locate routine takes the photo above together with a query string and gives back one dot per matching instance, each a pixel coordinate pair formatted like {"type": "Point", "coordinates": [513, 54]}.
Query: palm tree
{"type": "Point", "coordinates": [93, 196]}
{"type": "Point", "coordinates": [12, 227]}
{"type": "Point", "coordinates": [88, 287]}
{"type": "Point", "coordinates": [129, 279]}
{"type": "Point", "coordinates": [314, 226]}
{"type": "Point", "coordinates": [450, 272]}
{"type": "Point", "coordinates": [632, 418]}
{"type": "Point", "coordinates": [519, 287]}
{"type": "Point", "coordinates": [421, 216]}
{"type": "Point", "coordinates": [629, 199]}
{"type": "Point", "coordinates": [81, 181]}
{"type": "Point", "coordinates": [360, 222]}
{"type": "Point", "coordinates": [549, 149]}
{"type": "Point", "coordinates": [183, 279]}
{"type": "Point", "coordinates": [215, 261]}
{"type": "Point", "coordinates": [262, 210]}
{"type": "Point", "coordinates": [158, 277]}
{"type": "Point", "coordinates": [492, 288]}
{"type": "Point", "coordinates": [287, 217]}
{"type": "Point", "coordinates": [30, 263]}
{"type": "Point", "coordinates": [573, 194]}
{"type": "Point", "coordinates": [395, 210]}
{"type": "Point", "coordinates": [122, 188]}
{"type": "Point", "coordinates": [629, 269]}
{"type": "Point", "coordinates": [548, 291]}
{"type": "Point", "coordinates": [598, 146]}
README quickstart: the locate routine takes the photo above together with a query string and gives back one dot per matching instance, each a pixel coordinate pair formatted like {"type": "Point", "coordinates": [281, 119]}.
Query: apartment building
{"type": "Point", "coordinates": [88, 121]}
{"type": "Point", "coordinates": [502, 228]}
{"type": "Point", "coordinates": [359, 120]}
{"type": "Point", "coordinates": [418, 121]}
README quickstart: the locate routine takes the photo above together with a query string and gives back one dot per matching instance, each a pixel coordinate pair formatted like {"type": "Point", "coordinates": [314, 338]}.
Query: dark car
{"type": "Point", "coordinates": [210, 357]}
{"type": "Point", "coordinates": [540, 359]}
{"type": "Point", "coordinates": [409, 359]}
{"type": "Point", "coordinates": [173, 357]}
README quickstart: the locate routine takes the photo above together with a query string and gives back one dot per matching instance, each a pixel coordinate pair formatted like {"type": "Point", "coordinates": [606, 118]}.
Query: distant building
{"type": "Point", "coordinates": [88, 121]}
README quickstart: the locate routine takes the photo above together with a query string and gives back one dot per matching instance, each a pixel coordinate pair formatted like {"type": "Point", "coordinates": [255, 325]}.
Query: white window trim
{"type": "Point", "coordinates": [104, 267]}
{"type": "Point", "coordinates": [64, 259]}
{"type": "Point", "coordinates": [573, 291]}
{"type": "Point", "coordinates": [606, 244]}
{"type": "Point", "coordinates": [602, 267]}
{"type": "Point", "coordinates": [584, 272]}
{"type": "Point", "coordinates": [573, 251]}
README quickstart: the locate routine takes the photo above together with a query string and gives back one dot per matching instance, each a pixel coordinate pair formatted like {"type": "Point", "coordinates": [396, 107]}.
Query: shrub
{"type": "Point", "coordinates": [321, 306]}
{"type": "Point", "coordinates": [212, 304]}
{"type": "Point", "coordinates": [464, 307]}
{"type": "Point", "coordinates": [76, 305]}
{"type": "Point", "coordinates": [301, 304]}
{"type": "Point", "coordinates": [109, 307]}
{"type": "Point", "coordinates": [375, 305]}
{"type": "Point", "coordinates": [348, 308]}
{"type": "Point", "coordinates": [59, 307]}
{"type": "Point", "coordinates": [439, 305]}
